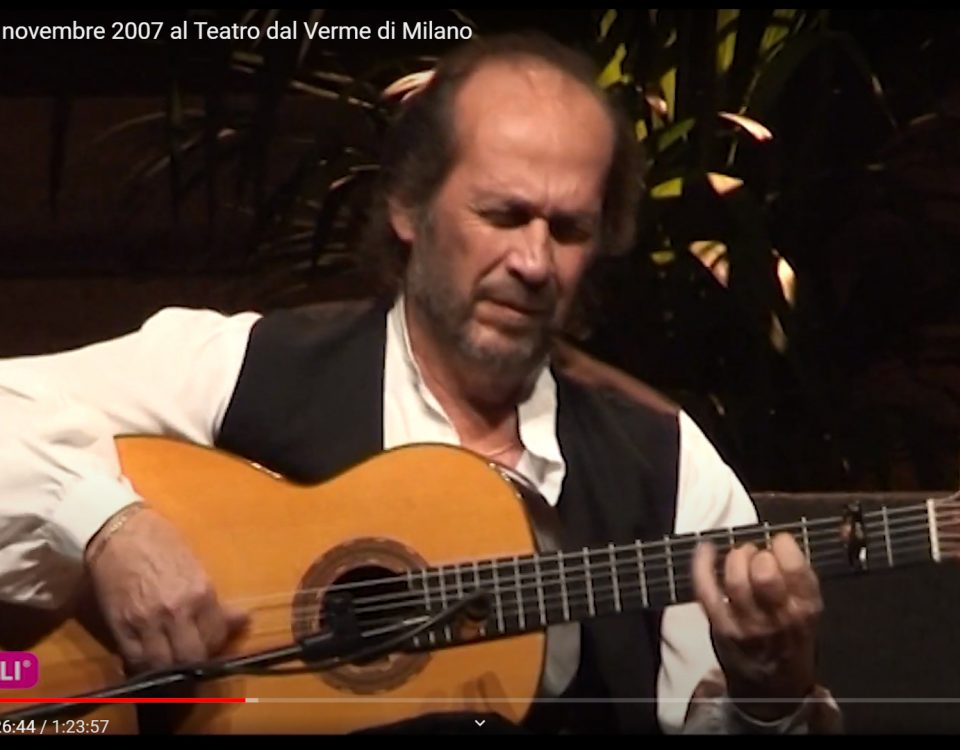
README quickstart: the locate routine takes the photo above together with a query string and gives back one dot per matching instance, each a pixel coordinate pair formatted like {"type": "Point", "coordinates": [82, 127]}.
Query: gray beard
{"type": "Point", "coordinates": [449, 319]}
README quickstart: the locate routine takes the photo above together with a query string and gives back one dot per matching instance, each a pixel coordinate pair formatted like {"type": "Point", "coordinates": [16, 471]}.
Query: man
{"type": "Point", "coordinates": [501, 182]}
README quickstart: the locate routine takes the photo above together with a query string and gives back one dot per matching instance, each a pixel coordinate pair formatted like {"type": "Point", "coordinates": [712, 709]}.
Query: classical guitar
{"type": "Point", "coordinates": [421, 580]}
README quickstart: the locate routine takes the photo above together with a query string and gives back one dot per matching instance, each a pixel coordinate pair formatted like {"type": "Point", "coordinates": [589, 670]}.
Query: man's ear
{"type": "Point", "coordinates": [401, 219]}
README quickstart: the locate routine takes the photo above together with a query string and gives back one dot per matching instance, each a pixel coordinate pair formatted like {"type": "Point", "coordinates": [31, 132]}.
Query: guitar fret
{"type": "Point", "coordinates": [673, 583]}
{"type": "Point", "coordinates": [431, 636]}
{"type": "Point", "coordinates": [443, 603]}
{"type": "Point", "coordinates": [496, 594]}
{"type": "Point", "coordinates": [457, 577]}
{"type": "Point", "coordinates": [683, 559]}
{"type": "Point", "coordinates": [476, 582]}
{"type": "Point", "coordinates": [616, 580]}
{"type": "Point", "coordinates": [934, 537]}
{"type": "Point", "coordinates": [563, 588]}
{"type": "Point", "coordinates": [536, 568]}
{"type": "Point", "coordinates": [413, 587]}
{"type": "Point", "coordinates": [519, 593]}
{"type": "Point", "coordinates": [607, 588]}
{"type": "Point", "coordinates": [876, 539]}
{"type": "Point", "coordinates": [886, 535]}
{"type": "Point", "coordinates": [642, 574]}
{"type": "Point", "coordinates": [586, 571]}
{"type": "Point", "coordinates": [826, 549]}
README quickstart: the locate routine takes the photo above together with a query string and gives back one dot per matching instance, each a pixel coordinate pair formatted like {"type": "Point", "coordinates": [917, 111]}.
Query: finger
{"type": "Point", "coordinates": [218, 625]}
{"type": "Point", "coordinates": [128, 644]}
{"type": "Point", "coordinates": [156, 649]}
{"type": "Point", "coordinates": [736, 581]}
{"type": "Point", "coordinates": [211, 624]}
{"type": "Point", "coordinates": [769, 587]}
{"type": "Point", "coordinates": [186, 643]}
{"type": "Point", "coordinates": [237, 620]}
{"type": "Point", "coordinates": [801, 580]}
{"type": "Point", "coordinates": [707, 589]}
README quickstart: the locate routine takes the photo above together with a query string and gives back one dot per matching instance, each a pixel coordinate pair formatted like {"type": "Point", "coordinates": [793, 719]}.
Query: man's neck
{"type": "Point", "coordinates": [482, 405]}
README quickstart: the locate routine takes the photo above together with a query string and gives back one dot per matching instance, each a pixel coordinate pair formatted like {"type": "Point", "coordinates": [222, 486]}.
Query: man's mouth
{"type": "Point", "coordinates": [521, 308]}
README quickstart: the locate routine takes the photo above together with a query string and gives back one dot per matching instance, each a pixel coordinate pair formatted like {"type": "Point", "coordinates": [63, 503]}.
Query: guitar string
{"type": "Point", "coordinates": [575, 594]}
{"type": "Point", "coordinates": [576, 590]}
{"type": "Point", "coordinates": [645, 549]}
{"type": "Point", "coordinates": [604, 603]}
{"type": "Point", "coordinates": [550, 576]}
{"type": "Point", "coordinates": [529, 575]}
{"type": "Point", "coordinates": [813, 535]}
{"type": "Point", "coordinates": [552, 591]}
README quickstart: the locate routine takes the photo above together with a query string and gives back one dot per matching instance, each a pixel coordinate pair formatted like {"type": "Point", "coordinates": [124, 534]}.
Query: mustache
{"type": "Point", "coordinates": [539, 302]}
{"type": "Point", "coordinates": [531, 304]}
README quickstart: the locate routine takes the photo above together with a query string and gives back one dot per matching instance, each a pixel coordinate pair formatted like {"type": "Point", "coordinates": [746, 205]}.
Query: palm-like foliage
{"type": "Point", "coordinates": [279, 137]}
{"type": "Point", "coordinates": [709, 304]}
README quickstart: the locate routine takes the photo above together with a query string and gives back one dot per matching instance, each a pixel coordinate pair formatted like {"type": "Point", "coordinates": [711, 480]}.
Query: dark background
{"type": "Point", "coordinates": [93, 237]}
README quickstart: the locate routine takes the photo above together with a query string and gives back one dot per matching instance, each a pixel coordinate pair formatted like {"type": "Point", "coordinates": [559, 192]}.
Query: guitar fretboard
{"type": "Point", "coordinates": [528, 592]}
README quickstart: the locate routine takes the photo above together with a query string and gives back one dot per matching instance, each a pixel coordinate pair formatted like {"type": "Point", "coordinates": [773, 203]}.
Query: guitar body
{"type": "Point", "coordinates": [273, 548]}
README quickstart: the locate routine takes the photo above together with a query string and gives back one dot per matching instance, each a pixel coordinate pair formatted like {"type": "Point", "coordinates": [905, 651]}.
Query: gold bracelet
{"type": "Point", "coordinates": [113, 525]}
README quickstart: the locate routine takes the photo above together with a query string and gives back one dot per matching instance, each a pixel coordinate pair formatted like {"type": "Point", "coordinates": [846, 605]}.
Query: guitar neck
{"type": "Point", "coordinates": [530, 592]}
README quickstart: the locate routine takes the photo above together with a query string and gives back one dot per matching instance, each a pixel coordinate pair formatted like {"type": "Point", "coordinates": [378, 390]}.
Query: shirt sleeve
{"type": "Point", "coordinates": [709, 496]}
{"type": "Point", "coordinates": [60, 477]}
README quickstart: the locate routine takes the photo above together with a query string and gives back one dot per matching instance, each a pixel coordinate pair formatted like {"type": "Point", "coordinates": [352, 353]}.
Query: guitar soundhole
{"type": "Point", "coordinates": [365, 579]}
{"type": "Point", "coordinates": [380, 600]}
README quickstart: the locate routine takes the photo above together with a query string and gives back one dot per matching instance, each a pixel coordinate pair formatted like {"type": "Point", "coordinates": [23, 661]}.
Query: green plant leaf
{"type": "Point", "coordinates": [613, 72]}
{"type": "Point", "coordinates": [673, 133]}
{"type": "Point", "coordinates": [751, 25]}
{"type": "Point", "coordinates": [663, 257]}
{"type": "Point", "coordinates": [777, 30]}
{"type": "Point", "coordinates": [607, 21]}
{"type": "Point", "coordinates": [672, 188]}
{"type": "Point", "coordinates": [668, 85]}
{"type": "Point", "coordinates": [773, 77]}
{"type": "Point", "coordinates": [246, 62]}
{"type": "Point", "coordinates": [641, 130]}
{"type": "Point", "coordinates": [726, 38]}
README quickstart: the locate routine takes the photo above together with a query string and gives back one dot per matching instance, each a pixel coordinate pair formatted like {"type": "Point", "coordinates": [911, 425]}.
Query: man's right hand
{"type": "Point", "coordinates": [155, 596]}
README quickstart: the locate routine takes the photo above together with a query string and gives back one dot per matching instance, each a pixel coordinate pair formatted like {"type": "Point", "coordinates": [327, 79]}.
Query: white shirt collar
{"type": "Point", "coordinates": [536, 415]}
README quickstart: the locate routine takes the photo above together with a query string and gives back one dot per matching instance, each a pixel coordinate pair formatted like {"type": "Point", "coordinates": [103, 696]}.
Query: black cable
{"type": "Point", "coordinates": [310, 649]}
{"type": "Point", "coordinates": [374, 651]}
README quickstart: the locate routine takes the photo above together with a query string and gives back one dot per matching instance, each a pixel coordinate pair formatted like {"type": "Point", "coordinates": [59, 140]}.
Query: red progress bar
{"type": "Point", "coordinates": [122, 700]}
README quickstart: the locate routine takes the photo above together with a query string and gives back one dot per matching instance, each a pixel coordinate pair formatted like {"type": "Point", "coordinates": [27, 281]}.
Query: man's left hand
{"type": "Point", "coordinates": [763, 620]}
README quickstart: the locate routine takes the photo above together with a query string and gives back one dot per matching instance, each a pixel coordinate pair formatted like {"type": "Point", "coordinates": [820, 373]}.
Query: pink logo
{"type": "Point", "coordinates": [18, 670]}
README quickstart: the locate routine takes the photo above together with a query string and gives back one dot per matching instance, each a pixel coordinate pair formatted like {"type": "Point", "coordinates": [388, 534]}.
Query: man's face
{"type": "Point", "coordinates": [497, 260]}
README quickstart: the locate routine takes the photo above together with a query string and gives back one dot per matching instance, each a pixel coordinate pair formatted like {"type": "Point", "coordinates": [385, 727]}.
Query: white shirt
{"type": "Point", "coordinates": [60, 477]}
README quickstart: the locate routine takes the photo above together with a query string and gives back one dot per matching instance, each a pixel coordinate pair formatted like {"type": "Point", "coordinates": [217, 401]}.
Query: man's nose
{"type": "Point", "coordinates": [532, 256]}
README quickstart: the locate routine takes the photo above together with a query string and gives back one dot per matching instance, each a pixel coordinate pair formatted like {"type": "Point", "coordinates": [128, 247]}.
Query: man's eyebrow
{"type": "Point", "coordinates": [484, 199]}
{"type": "Point", "coordinates": [489, 196]}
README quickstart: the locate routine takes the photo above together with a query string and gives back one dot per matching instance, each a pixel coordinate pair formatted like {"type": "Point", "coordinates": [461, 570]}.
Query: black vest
{"type": "Point", "coordinates": [309, 404]}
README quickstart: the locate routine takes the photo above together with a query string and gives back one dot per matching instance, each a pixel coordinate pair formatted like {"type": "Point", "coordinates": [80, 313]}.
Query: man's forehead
{"type": "Point", "coordinates": [520, 71]}
{"type": "Point", "coordinates": [522, 87]}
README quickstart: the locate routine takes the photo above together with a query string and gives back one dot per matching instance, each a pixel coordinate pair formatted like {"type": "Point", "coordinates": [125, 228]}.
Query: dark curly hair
{"type": "Point", "coordinates": [420, 149]}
